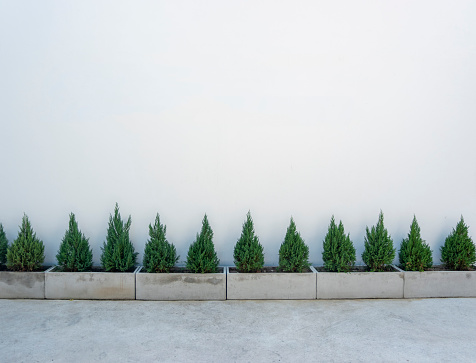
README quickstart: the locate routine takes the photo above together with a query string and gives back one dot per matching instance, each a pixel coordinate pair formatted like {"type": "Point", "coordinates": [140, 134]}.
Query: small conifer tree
{"type": "Point", "coordinates": [159, 254]}
{"type": "Point", "coordinates": [379, 249]}
{"type": "Point", "coordinates": [293, 253]}
{"type": "Point", "coordinates": [415, 253]}
{"type": "Point", "coordinates": [74, 253]}
{"type": "Point", "coordinates": [202, 257]}
{"type": "Point", "coordinates": [458, 252]}
{"type": "Point", "coordinates": [339, 251]}
{"type": "Point", "coordinates": [248, 253]}
{"type": "Point", "coordinates": [26, 253]}
{"type": "Point", "coordinates": [118, 251]}
{"type": "Point", "coordinates": [3, 246]}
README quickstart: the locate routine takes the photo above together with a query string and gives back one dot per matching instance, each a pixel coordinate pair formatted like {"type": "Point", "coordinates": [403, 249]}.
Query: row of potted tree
{"type": "Point", "coordinates": [26, 253]}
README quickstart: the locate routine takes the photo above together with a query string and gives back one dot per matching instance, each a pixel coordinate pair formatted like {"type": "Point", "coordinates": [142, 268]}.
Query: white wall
{"type": "Point", "coordinates": [283, 108]}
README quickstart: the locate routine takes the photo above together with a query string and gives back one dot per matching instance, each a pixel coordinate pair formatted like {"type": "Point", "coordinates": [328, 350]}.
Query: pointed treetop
{"type": "Point", "coordinates": [206, 229]}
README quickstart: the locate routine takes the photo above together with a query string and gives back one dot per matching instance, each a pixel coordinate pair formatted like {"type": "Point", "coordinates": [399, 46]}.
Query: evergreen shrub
{"type": "Point", "coordinates": [159, 254]}
{"type": "Point", "coordinates": [339, 251]}
{"type": "Point", "coordinates": [458, 252]}
{"type": "Point", "coordinates": [27, 252]}
{"type": "Point", "coordinates": [118, 251]}
{"type": "Point", "coordinates": [378, 251]}
{"type": "Point", "coordinates": [202, 257]}
{"type": "Point", "coordinates": [414, 254]}
{"type": "Point", "coordinates": [74, 253]}
{"type": "Point", "coordinates": [248, 253]}
{"type": "Point", "coordinates": [293, 253]}
{"type": "Point", "coordinates": [3, 246]}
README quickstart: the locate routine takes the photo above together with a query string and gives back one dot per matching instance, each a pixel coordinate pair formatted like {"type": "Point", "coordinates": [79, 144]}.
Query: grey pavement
{"type": "Point", "coordinates": [428, 330]}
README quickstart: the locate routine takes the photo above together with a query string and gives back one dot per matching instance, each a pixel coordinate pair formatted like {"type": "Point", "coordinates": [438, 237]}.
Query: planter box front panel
{"type": "Point", "coordinates": [90, 285]}
{"type": "Point", "coordinates": [271, 286]}
{"type": "Point", "coordinates": [180, 286]}
{"type": "Point", "coordinates": [22, 285]}
{"type": "Point", "coordinates": [360, 285]}
{"type": "Point", "coordinates": [440, 284]}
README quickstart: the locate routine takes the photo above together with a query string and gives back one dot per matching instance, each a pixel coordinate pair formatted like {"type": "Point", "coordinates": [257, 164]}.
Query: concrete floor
{"type": "Point", "coordinates": [431, 330]}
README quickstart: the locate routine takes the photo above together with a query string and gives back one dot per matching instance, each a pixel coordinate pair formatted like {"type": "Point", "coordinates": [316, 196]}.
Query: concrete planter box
{"type": "Point", "coordinates": [22, 285]}
{"type": "Point", "coordinates": [181, 286]}
{"type": "Point", "coordinates": [90, 285]}
{"type": "Point", "coordinates": [440, 284]}
{"type": "Point", "coordinates": [360, 285]}
{"type": "Point", "coordinates": [271, 285]}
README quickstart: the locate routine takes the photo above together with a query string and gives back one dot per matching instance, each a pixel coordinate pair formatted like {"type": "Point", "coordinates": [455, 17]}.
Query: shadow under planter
{"type": "Point", "coordinates": [360, 284]}
{"type": "Point", "coordinates": [271, 285]}
{"type": "Point", "coordinates": [95, 285]}
{"type": "Point", "coordinates": [22, 285]}
{"type": "Point", "coordinates": [181, 285]}
{"type": "Point", "coordinates": [440, 283]}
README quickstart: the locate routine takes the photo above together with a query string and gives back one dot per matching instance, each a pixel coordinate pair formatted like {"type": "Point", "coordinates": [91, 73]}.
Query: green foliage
{"type": "Point", "coordinates": [3, 246]}
{"type": "Point", "coordinates": [26, 253]}
{"type": "Point", "coordinates": [248, 252]}
{"type": "Point", "coordinates": [118, 251]}
{"type": "Point", "coordinates": [458, 252]}
{"type": "Point", "coordinates": [202, 257]}
{"type": "Point", "coordinates": [159, 254]}
{"type": "Point", "coordinates": [74, 253]}
{"type": "Point", "coordinates": [293, 253]}
{"type": "Point", "coordinates": [339, 252]}
{"type": "Point", "coordinates": [379, 249]}
{"type": "Point", "coordinates": [414, 254]}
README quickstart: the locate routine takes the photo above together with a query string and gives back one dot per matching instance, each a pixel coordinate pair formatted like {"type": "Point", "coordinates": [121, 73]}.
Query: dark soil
{"type": "Point", "coordinates": [181, 270]}
{"type": "Point", "coordinates": [43, 268]}
{"type": "Point", "coordinates": [358, 269]}
{"type": "Point", "coordinates": [443, 268]}
{"type": "Point", "coordinates": [391, 269]}
{"type": "Point", "coordinates": [93, 269]}
{"type": "Point", "coordinates": [267, 269]}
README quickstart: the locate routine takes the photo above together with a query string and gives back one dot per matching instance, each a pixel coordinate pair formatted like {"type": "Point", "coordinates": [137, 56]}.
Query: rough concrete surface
{"type": "Point", "coordinates": [440, 283]}
{"type": "Point", "coordinates": [271, 286]}
{"type": "Point", "coordinates": [432, 330]}
{"type": "Point", "coordinates": [23, 285]}
{"type": "Point", "coordinates": [181, 286]}
{"type": "Point", "coordinates": [90, 285]}
{"type": "Point", "coordinates": [360, 285]}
